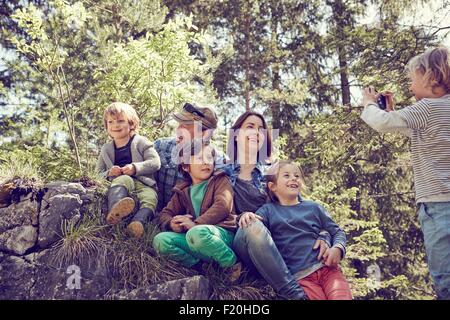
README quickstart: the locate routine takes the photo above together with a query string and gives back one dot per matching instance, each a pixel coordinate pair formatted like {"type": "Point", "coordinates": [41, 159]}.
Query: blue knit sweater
{"type": "Point", "coordinates": [295, 229]}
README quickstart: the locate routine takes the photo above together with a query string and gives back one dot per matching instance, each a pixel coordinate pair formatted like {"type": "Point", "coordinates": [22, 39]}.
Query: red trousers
{"type": "Point", "coordinates": [327, 283]}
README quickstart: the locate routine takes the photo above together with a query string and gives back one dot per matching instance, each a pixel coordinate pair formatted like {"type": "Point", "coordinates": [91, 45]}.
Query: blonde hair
{"type": "Point", "coordinates": [272, 176]}
{"type": "Point", "coordinates": [120, 108]}
{"type": "Point", "coordinates": [434, 65]}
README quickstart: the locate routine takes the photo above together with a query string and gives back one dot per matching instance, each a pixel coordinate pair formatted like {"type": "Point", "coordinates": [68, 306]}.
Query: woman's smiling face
{"type": "Point", "coordinates": [251, 134]}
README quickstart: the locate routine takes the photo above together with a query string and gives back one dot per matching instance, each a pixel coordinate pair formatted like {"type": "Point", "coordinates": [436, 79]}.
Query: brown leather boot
{"type": "Point", "coordinates": [141, 218]}
{"type": "Point", "coordinates": [136, 229]}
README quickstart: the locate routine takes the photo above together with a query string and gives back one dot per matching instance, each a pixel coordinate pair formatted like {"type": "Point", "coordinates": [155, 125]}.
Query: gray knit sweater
{"type": "Point", "coordinates": [144, 156]}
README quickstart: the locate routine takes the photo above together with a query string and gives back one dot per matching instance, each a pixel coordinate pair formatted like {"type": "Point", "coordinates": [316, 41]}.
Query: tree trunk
{"type": "Point", "coordinates": [275, 106]}
{"type": "Point", "coordinates": [247, 84]}
{"type": "Point", "coordinates": [341, 23]}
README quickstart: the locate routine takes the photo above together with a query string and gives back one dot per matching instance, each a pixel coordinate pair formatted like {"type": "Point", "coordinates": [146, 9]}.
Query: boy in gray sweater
{"type": "Point", "coordinates": [129, 161]}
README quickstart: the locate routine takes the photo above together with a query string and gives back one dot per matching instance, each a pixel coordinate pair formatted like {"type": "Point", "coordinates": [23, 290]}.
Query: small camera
{"type": "Point", "coordinates": [381, 102]}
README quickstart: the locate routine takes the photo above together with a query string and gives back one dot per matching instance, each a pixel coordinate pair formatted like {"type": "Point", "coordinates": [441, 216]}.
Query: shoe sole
{"type": "Point", "coordinates": [120, 210]}
{"type": "Point", "coordinates": [136, 229]}
{"type": "Point", "coordinates": [236, 272]}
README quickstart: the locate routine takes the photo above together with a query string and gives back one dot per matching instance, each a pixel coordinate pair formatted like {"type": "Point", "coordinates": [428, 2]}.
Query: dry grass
{"type": "Point", "coordinates": [82, 241]}
{"type": "Point", "coordinates": [246, 288]}
{"type": "Point", "coordinates": [19, 165]}
{"type": "Point", "coordinates": [133, 263]}
{"type": "Point", "coordinates": [136, 265]}
{"type": "Point", "coordinates": [92, 179]}
{"type": "Point", "coordinates": [249, 291]}
{"type": "Point", "coordinates": [19, 176]}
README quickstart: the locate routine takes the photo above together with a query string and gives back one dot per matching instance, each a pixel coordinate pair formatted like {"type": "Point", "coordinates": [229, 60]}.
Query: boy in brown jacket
{"type": "Point", "coordinates": [199, 219]}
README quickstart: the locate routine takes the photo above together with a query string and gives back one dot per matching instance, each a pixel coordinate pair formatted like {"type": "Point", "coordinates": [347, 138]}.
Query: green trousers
{"type": "Point", "coordinates": [202, 242]}
{"type": "Point", "coordinates": [148, 198]}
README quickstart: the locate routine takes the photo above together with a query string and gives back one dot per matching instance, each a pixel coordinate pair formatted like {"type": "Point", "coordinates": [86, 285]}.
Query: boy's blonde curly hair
{"type": "Point", "coordinates": [434, 65]}
{"type": "Point", "coordinates": [120, 108]}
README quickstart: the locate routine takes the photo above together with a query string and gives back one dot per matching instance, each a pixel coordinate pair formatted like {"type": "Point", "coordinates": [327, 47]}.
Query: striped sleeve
{"type": "Point", "coordinates": [417, 115]}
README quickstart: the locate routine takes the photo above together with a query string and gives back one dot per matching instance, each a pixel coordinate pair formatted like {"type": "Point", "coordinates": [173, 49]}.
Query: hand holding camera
{"type": "Point", "coordinates": [381, 102]}
{"type": "Point", "coordinates": [389, 100]}
{"type": "Point", "coordinates": [384, 100]}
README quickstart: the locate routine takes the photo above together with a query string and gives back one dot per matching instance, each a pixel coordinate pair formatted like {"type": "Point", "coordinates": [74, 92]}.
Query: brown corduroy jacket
{"type": "Point", "coordinates": [216, 209]}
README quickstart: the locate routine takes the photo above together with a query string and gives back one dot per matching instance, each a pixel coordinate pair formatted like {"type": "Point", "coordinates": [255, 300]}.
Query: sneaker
{"type": "Point", "coordinates": [135, 229]}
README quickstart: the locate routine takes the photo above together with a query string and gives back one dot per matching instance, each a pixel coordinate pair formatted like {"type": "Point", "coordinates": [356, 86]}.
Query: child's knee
{"type": "Point", "coordinates": [255, 228]}
{"type": "Point", "coordinates": [123, 180]}
{"type": "Point", "coordinates": [162, 243]}
{"type": "Point", "coordinates": [256, 232]}
{"type": "Point", "coordinates": [198, 236]}
{"type": "Point", "coordinates": [148, 199]}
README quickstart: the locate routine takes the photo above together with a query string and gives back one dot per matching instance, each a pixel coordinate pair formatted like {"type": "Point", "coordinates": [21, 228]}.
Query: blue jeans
{"type": "Point", "coordinates": [255, 247]}
{"type": "Point", "coordinates": [434, 218]}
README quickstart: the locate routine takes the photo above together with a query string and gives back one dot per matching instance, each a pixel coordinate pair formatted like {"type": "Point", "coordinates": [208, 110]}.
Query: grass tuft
{"type": "Point", "coordinates": [19, 165]}
{"type": "Point", "coordinates": [81, 241]}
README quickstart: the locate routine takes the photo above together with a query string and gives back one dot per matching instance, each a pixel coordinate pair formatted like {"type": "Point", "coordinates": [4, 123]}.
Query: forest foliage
{"type": "Point", "coordinates": [300, 63]}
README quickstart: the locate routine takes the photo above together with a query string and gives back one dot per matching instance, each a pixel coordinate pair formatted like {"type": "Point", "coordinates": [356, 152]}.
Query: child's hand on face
{"type": "Point", "coordinates": [247, 218]}
{"type": "Point", "coordinates": [332, 256]}
{"type": "Point", "coordinates": [115, 171]}
{"type": "Point", "coordinates": [322, 246]}
{"type": "Point", "coordinates": [129, 170]}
